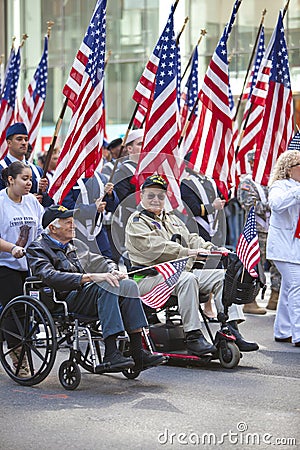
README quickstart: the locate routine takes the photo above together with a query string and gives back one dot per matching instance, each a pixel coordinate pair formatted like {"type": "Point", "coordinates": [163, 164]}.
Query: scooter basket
{"type": "Point", "coordinates": [238, 292]}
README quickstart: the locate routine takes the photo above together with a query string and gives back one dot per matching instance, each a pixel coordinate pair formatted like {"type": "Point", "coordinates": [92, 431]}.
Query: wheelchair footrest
{"type": "Point", "coordinates": [101, 368]}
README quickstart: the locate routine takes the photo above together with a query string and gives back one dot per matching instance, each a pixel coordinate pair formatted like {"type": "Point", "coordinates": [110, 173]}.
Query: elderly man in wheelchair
{"type": "Point", "coordinates": [150, 240]}
{"type": "Point", "coordinates": [91, 285]}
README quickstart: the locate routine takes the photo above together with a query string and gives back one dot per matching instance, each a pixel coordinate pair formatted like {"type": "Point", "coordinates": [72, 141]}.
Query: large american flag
{"type": "Point", "coordinates": [32, 107]}
{"type": "Point", "coordinates": [171, 271]}
{"type": "Point", "coordinates": [215, 135]}
{"type": "Point", "coordinates": [295, 142]}
{"type": "Point", "coordinates": [247, 248]}
{"type": "Point", "coordinates": [160, 147]}
{"type": "Point", "coordinates": [84, 90]}
{"type": "Point", "coordinates": [277, 125]}
{"type": "Point", "coordinates": [8, 99]}
{"type": "Point", "coordinates": [249, 134]}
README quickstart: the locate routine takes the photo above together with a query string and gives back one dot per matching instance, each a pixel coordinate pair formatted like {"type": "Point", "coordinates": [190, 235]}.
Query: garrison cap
{"type": "Point", "coordinates": [16, 128]}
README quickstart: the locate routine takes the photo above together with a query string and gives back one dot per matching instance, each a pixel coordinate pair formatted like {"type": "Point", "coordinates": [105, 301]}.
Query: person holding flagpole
{"type": "Point", "coordinates": [283, 243]}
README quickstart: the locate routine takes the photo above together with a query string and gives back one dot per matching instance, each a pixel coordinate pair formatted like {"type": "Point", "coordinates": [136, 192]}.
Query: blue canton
{"type": "Point", "coordinates": [41, 74]}
{"type": "Point", "coordinates": [11, 82]}
{"type": "Point", "coordinates": [95, 40]}
{"type": "Point", "coordinates": [280, 61]}
{"type": "Point", "coordinates": [250, 226]}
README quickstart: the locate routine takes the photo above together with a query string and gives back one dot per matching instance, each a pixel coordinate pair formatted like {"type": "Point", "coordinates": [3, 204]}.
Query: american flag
{"type": "Point", "coordinates": [249, 135]}
{"type": "Point", "coordinates": [295, 142]}
{"type": "Point", "coordinates": [215, 135]}
{"type": "Point", "coordinates": [171, 271]}
{"type": "Point", "coordinates": [247, 248]}
{"type": "Point", "coordinates": [146, 84]}
{"type": "Point", "coordinates": [160, 147]}
{"type": "Point", "coordinates": [8, 100]}
{"type": "Point", "coordinates": [188, 99]}
{"type": "Point", "coordinates": [84, 89]}
{"type": "Point", "coordinates": [32, 107]}
{"type": "Point", "coordinates": [277, 125]}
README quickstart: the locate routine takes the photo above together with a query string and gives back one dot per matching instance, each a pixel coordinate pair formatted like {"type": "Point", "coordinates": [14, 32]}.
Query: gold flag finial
{"type": "Point", "coordinates": [50, 24]}
{"type": "Point", "coordinates": [24, 37]}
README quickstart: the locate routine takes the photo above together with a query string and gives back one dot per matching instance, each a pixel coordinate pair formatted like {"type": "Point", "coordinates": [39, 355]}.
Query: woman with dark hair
{"type": "Point", "coordinates": [283, 244]}
{"type": "Point", "coordinates": [20, 223]}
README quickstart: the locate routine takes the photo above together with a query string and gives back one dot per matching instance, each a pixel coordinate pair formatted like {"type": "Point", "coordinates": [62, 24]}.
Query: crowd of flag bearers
{"type": "Point", "coordinates": [169, 124]}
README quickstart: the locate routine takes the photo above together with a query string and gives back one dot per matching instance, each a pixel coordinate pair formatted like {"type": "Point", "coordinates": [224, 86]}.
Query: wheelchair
{"type": "Point", "coordinates": [42, 325]}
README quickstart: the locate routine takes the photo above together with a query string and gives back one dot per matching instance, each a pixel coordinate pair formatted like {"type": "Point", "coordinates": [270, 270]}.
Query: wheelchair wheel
{"type": "Point", "coordinates": [69, 375]}
{"type": "Point", "coordinates": [31, 358]}
{"type": "Point", "coordinates": [229, 355]}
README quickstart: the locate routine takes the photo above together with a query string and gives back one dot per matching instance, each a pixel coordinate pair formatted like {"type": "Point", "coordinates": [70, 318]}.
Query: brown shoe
{"type": "Point", "coordinates": [253, 308]}
{"type": "Point", "coordinates": [273, 300]}
{"type": "Point", "coordinates": [23, 371]}
{"type": "Point", "coordinates": [288, 339]}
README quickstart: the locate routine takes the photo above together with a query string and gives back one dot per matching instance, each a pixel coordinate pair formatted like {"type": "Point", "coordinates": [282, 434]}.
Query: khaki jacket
{"type": "Point", "coordinates": [149, 239]}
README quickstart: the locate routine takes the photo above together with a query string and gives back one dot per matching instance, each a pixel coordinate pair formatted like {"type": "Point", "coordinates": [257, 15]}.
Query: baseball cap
{"type": "Point", "coordinates": [16, 128]}
{"type": "Point", "coordinates": [157, 181]}
{"type": "Point", "coordinates": [133, 135]}
{"type": "Point", "coordinates": [56, 212]}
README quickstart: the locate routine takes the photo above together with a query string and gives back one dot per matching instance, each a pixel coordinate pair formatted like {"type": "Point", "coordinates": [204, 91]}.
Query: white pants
{"type": "Point", "coordinates": [287, 321]}
{"type": "Point", "coordinates": [187, 291]}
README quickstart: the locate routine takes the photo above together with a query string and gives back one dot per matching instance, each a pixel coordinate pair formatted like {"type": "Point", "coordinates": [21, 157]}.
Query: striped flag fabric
{"type": "Point", "coordinates": [8, 99]}
{"type": "Point", "coordinates": [160, 152]}
{"type": "Point", "coordinates": [259, 83]}
{"type": "Point", "coordinates": [277, 124]}
{"type": "Point", "coordinates": [171, 271]}
{"type": "Point", "coordinates": [146, 84]}
{"type": "Point", "coordinates": [247, 248]}
{"type": "Point", "coordinates": [215, 134]}
{"type": "Point", "coordinates": [32, 107]}
{"type": "Point", "coordinates": [84, 91]}
{"type": "Point", "coordinates": [295, 142]}
{"type": "Point", "coordinates": [139, 117]}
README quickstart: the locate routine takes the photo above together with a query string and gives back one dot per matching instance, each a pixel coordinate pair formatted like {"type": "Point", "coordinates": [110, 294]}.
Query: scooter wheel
{"type": "Point", "coordinates": [229, 355]}
{"type": "Point", "coordinates": [131, 374]}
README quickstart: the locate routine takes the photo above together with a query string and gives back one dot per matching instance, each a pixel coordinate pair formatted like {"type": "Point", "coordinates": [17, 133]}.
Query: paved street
{"type": "Point", "coordinates": [255, 405]}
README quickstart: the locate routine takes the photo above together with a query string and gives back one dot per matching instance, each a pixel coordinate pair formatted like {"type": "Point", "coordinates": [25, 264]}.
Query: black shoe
{"type": "Point", "coordinates": [242, 344]}
{"type": "Point", "coordinates": [118, 362]}
{"type": "Point", "coordinates": [197, 344]}
{"type": "Point", "coordinates": [148, 359]}
{"type": "Point", "coordinates": [288, 339]}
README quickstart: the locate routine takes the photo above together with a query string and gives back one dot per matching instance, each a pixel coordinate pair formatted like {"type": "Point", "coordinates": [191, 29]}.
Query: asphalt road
{"type": "Point", "coordinates": [255, 405]}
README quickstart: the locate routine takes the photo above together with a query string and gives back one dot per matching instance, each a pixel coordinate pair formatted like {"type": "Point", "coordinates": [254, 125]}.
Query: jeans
{"type": "Point", "coordinates": [117, 308]}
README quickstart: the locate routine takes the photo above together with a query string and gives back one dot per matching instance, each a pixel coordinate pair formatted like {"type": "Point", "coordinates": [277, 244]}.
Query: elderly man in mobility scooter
{"type": "Point", "coordinates": [62, 263]}
{"type": "Point", "coordinates": [150, 240]}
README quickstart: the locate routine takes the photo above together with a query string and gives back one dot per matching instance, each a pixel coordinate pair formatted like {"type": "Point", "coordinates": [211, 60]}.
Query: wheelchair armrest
{"type": "Point", "coordinates": [33, 280]}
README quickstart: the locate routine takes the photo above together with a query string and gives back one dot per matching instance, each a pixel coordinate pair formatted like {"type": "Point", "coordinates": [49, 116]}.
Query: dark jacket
{"type": "Point", "coordinates": [62, 269]}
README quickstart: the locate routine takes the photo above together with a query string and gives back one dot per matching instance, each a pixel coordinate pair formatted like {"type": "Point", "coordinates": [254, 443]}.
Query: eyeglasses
{"type": "Point", "coordinates": [295, 165]}
{"type": "Point", "coordinates": [151, 196]}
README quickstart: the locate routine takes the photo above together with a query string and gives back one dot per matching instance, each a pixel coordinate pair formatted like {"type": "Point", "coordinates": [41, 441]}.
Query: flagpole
{"type": "Point", "coordinates": [182, 30]}
{"type": "Point", "coordinates": [251, 105]}
{"type": "Point", "coordinates": [202, 33]}
{"type": "Point", "coordinates": [250, 63]}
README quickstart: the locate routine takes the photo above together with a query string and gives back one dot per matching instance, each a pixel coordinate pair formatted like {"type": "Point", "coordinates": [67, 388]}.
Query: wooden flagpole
{"type": "Point", "coordinates": [203, 32]}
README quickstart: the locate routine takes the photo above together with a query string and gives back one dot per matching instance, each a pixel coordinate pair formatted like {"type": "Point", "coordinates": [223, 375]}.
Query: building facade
{"type": "Point", "coordinates": [133, 27]}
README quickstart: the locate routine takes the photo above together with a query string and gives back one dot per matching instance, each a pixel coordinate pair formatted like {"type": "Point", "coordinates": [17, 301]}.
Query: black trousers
{"type": "Point", "coordinates": [11, 285]}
